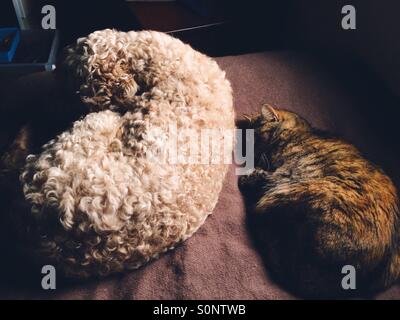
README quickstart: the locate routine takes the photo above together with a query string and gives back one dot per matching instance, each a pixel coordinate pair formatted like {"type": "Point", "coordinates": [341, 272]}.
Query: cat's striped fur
{"type": "Point", "coordinates": [318, 205]}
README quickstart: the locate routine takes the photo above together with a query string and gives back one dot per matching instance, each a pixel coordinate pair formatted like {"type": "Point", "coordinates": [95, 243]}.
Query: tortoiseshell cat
{"type": "Point", "coordinates": [317, 205]}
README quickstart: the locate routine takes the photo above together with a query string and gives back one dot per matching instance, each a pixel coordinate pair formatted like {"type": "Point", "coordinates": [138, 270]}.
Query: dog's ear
{"type": "Point", "coordinates": [269, 113]}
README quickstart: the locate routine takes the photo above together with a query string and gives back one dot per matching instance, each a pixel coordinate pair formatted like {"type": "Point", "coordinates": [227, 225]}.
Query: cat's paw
{"type": "Point", "coordinates": [243, 181]}
{"type": "Point", "coordinates": [247, 180]}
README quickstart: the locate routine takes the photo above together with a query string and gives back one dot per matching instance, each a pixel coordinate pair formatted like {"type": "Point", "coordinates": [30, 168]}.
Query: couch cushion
{"type": "Point", "coordinates": [219, 261]}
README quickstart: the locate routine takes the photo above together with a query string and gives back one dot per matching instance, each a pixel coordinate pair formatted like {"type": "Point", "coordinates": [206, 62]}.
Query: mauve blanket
{"type": "Point", "coordinates": [220, 261]}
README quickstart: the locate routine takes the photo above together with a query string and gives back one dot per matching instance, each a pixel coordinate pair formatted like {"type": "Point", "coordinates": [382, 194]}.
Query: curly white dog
{"type": "Point", "coordinates": [98, 203]}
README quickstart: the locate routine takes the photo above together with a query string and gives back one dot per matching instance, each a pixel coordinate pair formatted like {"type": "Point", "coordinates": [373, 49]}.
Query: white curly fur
{"type": "Point", "coordinates": [100, 205]}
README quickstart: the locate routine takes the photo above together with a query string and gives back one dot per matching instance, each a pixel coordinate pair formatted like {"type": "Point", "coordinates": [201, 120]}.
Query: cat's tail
{"type": "Point", "coordinates": [391, 272]}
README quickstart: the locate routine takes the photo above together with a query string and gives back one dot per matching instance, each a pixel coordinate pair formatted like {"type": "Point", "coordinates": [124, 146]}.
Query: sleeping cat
{"type": "Point", "coordinates": [317, 205]}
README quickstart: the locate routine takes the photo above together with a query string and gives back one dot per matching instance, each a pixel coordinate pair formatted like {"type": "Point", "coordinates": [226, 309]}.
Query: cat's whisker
{"type": "Point", "coordinates": [264, 161]}
{"type": "Point", "coordinates": [267, 161]}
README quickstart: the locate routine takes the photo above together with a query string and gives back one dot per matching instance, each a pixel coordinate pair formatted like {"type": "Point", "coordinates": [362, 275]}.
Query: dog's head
{"type": "Point", "coordinates": [98, 69]}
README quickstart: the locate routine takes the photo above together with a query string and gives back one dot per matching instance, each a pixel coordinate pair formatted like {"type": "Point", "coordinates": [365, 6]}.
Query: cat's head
{"type": "Point", "coordinates": [271, 124]}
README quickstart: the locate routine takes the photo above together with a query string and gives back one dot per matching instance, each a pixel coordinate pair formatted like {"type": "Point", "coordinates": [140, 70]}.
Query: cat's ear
{"type": "Point", "coordinates": [269, 113]}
